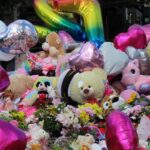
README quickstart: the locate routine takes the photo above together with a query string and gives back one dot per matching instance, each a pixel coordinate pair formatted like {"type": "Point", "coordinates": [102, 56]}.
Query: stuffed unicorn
{"type": "Point", "coordinates": [131, 77]}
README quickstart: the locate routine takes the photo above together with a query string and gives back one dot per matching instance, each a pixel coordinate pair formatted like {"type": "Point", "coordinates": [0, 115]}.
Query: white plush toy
{"type": "Point", "coordinates": [100, 146]}
{"type": "Point", "coordinates": [143, 131]}
{"type": "Point", "coordinates": [37, 137]}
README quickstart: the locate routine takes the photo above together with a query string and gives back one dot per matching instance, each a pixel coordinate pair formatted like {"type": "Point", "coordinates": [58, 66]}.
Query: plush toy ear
{"type": "Point", "coordinates": [136, 62]}
{"type": "Point", "coordinates": [64, 82]}
{"type": "Point", "coordinates": [101, 72]}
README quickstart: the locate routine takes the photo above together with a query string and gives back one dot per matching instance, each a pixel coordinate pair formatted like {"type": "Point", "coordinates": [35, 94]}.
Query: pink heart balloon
{"type": "Point", "coordinates": [145, 28]}
{"type": "Point", "coordinates": [120, 133]}
{"type": "Point", "coordinates": [134, 37]}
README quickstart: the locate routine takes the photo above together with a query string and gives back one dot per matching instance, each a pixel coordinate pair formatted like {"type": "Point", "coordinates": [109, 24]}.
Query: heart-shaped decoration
{"type": "Point", "coordinates": [135, 37]}
{"type": "Point", "coordinates": [114, 60]}
{"type": "Point", "coordinates": [145, 28]}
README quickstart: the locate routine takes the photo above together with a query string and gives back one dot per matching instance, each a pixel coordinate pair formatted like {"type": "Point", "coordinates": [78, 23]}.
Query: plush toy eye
{"type": "Point", "coordinates": [89, 86]}
{"type": "Point", "coordinates": [133, 71]}
{"type": "Point", "coordinates": [38, 83]}
{"type": "Point", "coordinates": [115, 99]}
{"type": "Point", "coordinates": [82, 88]}
{"type": "Point", "coordinates": [47, 84]}
{"type": "Point", "coordinates": [106, 105]}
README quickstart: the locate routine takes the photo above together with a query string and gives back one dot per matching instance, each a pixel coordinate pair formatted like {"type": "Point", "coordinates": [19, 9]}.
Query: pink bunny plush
{"type": "Point", "coordinates": [131, 77]}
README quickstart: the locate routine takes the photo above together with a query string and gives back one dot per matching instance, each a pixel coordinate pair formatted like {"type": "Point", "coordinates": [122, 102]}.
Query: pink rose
{"type": "Point", "coordinates": [14, 123]}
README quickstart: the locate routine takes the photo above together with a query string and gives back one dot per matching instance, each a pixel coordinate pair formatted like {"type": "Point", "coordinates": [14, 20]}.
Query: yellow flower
{"type": "Point", "coordinates": [52, 111]}
{"type": "Point", "coordinates": [95, 107]}
{"type": "Point", "coordinates": [20, 116]}
{"type": "Point", "coordinates": [132, 98]}
{"type": "Point", "coordinates": [84, 117]}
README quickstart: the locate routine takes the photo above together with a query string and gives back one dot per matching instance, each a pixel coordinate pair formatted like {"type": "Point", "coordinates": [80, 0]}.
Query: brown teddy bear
{"type": "Point", "coordinates": [19, 84]}
{"type": "Point", "coordinates": [53, 46]}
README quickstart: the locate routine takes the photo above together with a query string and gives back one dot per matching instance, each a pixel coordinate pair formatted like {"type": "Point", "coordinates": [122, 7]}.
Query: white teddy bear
{"type": "Point", "coordinates": [37, 136]}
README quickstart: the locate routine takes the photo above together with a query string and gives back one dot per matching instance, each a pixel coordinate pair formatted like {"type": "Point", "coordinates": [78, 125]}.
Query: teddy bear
{"type": "Point", "coordinates": [87, 142]}
{"type": "Point", "coordinates": [132, 78]}
{"type": "Point", "coordinates": [37, 138]}
{"type": "Point", "coordinates": [142, 131]}
{"type": "Point", "coordinates": [53, 47]}
{"type": "Point", "coordinates": [6, 101]}
{"type": "Point", "coordinates": [82, 86]}
{"type": "Point", "coordinates": [19, 84]}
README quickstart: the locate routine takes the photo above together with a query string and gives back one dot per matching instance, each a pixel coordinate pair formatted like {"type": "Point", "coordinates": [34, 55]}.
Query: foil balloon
{"type": "Point", "coordinates": [134, 37]}
{"type": "Point", "coordinates": [90, 10]}
{"type": "Point", "coordinates": [145, 28]}
{"type": "Point", "coordinates": [120, 133]}
{"type": "Point", "coordinates": [56, 22]}
{"type": "Point", "coordinates": [42, 31]}
{"type": "Point", "coordinates": [11, 137]}
{"type": "Point", "coordinates": [6, 56]}
{"type": "Point", "coordinates": [4, 79]}
{"type": "Point", "coordinates": [87, 58]}
{"type": "Point", "coordinates": [68, 42]}
{"type": "Point", "coordinates": [20, 38]}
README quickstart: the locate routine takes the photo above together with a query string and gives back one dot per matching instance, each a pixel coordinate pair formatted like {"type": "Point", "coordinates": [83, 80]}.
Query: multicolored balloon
{"type": "Point", "coordinates": [42, 31]}
{"type": "Point", "coordinates": [4, 79]}
{"type": "Point", "coordinates": [87, 58]}
{"type": "Point", "coordinates": [20, 38]}
{"type": "Point", "coordinates": [90, 10]}
{"type": "Point", "coordinates": [11, 137]}
{"type": "Point", "coordinates": [134, 37]}
{"type": "Point", "coordinates": [56, 22]}
{"type": "Point", "coordinates": [120, 133]}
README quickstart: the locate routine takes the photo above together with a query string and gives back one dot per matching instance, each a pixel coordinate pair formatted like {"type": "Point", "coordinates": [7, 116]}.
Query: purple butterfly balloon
{"type": "Point", "coordinates": [87, 58]}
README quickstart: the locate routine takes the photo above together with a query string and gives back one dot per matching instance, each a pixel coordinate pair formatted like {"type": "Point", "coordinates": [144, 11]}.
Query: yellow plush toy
{"type": "Point", "coordinates": [82, 86]}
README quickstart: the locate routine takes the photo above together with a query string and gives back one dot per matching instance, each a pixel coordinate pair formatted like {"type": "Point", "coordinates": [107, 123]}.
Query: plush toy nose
{"type": "Point", "coordinates": [116, 99]}
{"type": "Point", "coordinates": [86, 91]}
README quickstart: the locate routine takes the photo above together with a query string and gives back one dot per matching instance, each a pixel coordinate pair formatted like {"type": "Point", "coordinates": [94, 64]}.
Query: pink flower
{"type": "Point", "coordinates": [56, 102]}
{"type": "Point", "coordinates": [64, 132]}
{"type": "Point", "coordinates": [14, 123]}
{"type": "Point", "coordinates": [89, 111]}
{"type": "Point", "coordinates": [137, 109]}
{"type": "Point", "coordinates": [28, 110]}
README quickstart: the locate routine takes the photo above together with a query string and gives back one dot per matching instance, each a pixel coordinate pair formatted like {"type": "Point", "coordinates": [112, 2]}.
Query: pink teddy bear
{"type": "Point", "coordinates": [131, 77]}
